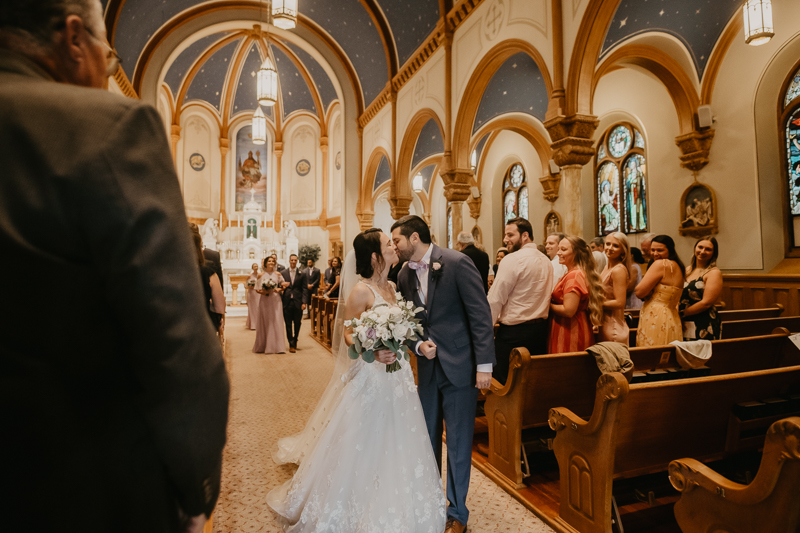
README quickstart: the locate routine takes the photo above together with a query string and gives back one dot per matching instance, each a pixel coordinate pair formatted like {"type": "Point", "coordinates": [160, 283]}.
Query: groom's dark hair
{"type": "Point", "coordinates": [410, 224]}
{"type": "Point", "coordinates": [365, 244]}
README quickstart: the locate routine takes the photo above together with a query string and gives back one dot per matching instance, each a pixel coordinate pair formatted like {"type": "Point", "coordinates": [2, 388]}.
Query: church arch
{"type": "Point", "coordinates": [367, 200]}
{"type": "Point", "coordinates": [401, 180]}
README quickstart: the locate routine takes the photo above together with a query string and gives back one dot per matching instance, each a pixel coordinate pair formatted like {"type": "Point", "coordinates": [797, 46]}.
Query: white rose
{"type": "Point", "coordinates": [362, 336]}
{"type": "Point", "coordinates": [368, 344]}
{"type": "Point", "coordinates": [399, 332]}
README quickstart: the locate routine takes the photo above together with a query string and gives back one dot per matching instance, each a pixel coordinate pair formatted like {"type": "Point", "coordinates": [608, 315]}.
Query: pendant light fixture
{"type": "Point", "coordinates": [284, 14]}
{"type": "Point", "coordinates": [267, 77]}
{"type": "Point", "coordinates": [758, 28]}
{"type": "Point", "coordinates": [416, 183]}
{"type": "Point", "coordinates": [259, 127]}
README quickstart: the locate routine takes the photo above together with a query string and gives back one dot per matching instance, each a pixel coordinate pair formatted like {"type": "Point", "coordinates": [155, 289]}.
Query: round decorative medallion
{"type": "Point", "coordinates": [303, 167]}
{"type": "Point", "coordinates": [338, 160]}
{"type": "Point", "coordinates": [197, 162]}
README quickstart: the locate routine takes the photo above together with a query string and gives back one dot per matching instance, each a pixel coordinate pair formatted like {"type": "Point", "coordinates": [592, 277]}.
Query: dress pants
{"type": "Point", "coordinates": [532, 336]}
{"type": "Point", "coordinates": [443, 401]}
{"type": "Point", "coordinates": [293, 318]}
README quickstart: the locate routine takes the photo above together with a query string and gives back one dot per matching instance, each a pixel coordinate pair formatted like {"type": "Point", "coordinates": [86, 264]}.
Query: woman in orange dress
{"type": "Point", "coordinates": [576, 306]}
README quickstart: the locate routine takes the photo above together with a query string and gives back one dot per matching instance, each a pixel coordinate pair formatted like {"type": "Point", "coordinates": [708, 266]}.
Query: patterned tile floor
{"type": "Point", "coordinates": [271, 397]}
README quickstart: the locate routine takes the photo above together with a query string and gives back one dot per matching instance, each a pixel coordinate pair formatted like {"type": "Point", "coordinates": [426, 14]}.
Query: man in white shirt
{"type": "Point", "coordinates": [520, 297]}
{"type": "Point", "coordinates": [551, 245]}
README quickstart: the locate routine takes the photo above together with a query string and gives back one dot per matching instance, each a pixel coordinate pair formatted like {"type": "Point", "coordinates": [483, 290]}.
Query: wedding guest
{"type": "Point", "coordinates": [541, 248]}
{"type": "Point", "coordinates": [615, 283]}
{"type": "Point", "coordinates": [501, 253]}
{"type": "Point", "coordinates": [599, 261]}
{"type": "Point", "coordinates": [312, 273]}
{"type": "Point", "coordinates": [466, 245]}
{"type": "Point", "coordinates": [661, 288]}
{"type": "Point", "coordinates": [252, 298]}
{"type": "Point", "coordinates": [278, 267]}
{"type": "Point", "coordinates": [576, 305]}
{"type": "Point", "coordinates": [295, 301]}
{"type": "Point", "coordinates": [333, 279]}
{"type": "Point", "coordinates": [214, 297]}
{"type": "Point", "coordinates": [327, 274]}
{"type": "Point", "coordinates": [645, 245]}
{"type": "Point", "coordinates": [701, 292]}
{"type": "Point", "coordinates": [269, 326]}
{"type": "Point", "coordinates": [597, 245]}
{"type": "Point", "coordinates": [637, 260]}
{"type": "Point", "coordinates": [551, 245]}
{"type": "Point", "coordinates": [520, 297]}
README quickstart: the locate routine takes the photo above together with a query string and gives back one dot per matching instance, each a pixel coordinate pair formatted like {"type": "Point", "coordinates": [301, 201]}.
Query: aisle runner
{"type": "Point", "coordinates": [271, 397]}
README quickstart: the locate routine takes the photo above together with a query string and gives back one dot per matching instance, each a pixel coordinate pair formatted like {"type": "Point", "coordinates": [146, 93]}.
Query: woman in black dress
{"type": "Point", "coordinates": [333, 280]}
{"type": "Point", "coordinates": [212, 288]}
{"type": "Point", "coordinates": [701, 292]}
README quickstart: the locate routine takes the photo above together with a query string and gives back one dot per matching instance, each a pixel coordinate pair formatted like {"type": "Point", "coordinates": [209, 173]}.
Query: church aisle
{"type": "Point", "coordinates": [272, 396]}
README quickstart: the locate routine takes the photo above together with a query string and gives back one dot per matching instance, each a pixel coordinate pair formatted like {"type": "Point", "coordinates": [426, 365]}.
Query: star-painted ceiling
{"type": "Point", "coordinates": [516, 86]}
{"type": "Point", "coordinates": [411, 22]}
{"type": "Point", "coordinates": [427, 176]}
{"type": "Point", "coordinates": [295, 91]}
{"type": "Point", "coordinates": [697, 23]}
{"type": "Point", "coordinates": [429, 143]}
{"type": "Point", "coordinates": [208, 82]}
{"type": "Point", "coordinates": [383, 174]}
{"type": "Point", "coordinates": [327, 92]}
{"type": "Point", "coordinates": [245, 97]}
{"type": "Point", "coordinates": [183, 63]}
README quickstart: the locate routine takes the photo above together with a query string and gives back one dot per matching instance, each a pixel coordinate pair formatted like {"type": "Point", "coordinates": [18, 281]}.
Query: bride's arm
{"type": "Point", "coordinates": [357, 303]}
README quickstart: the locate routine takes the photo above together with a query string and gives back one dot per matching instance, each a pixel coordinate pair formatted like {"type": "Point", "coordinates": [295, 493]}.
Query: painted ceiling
{"type": "Point", "coordinates": [427, 177]}
{"type": "Point", "coordinates": [352, 25]}
{"type": "Point", "coordinates": [383, 174]}
{"type": "Point", "coordinates": [696, 23]}
{"type": "Point", "coordinates": [429, 143]}
{"type": "Point", "coordinates": [517, 86]}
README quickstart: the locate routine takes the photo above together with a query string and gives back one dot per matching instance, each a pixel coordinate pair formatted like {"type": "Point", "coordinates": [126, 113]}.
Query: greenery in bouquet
{"type": "Point", "coordinates": [385, 327]}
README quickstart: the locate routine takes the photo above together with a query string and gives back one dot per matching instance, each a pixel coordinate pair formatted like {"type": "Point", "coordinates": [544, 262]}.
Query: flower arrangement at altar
{"type": "Point", "coordinates": [385, 327]}
{"type": "Point", "coordinates": [268, 285]}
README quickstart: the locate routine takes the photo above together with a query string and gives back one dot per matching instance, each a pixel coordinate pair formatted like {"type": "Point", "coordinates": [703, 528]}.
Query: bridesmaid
{"type": "Point", "coordinates": [270, 328]}
{"type": "Point", "coordinates": [703, 289]}
{"type": "Point", "coordinates": [661, 288]}
{"type": "Point", "coordinates": [615, 283]}
{"type": "Point", "coordinates": [252, 299]}
{"type": "Point", "coordinates": [577, 302]}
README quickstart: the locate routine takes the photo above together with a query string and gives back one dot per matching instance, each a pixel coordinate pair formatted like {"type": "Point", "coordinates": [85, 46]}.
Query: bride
{"type": "Point", "coordinates": [365, 458]}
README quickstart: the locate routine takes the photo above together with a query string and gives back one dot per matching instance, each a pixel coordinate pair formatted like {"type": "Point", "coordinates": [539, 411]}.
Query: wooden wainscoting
{"type": "Point", "coordinates": [750, 291]}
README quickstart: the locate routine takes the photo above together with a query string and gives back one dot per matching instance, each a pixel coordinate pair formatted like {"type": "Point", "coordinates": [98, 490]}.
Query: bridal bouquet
{"type": "Point", "coordinates": [384, 327]}
{"type": "Point", "coordinates": [268, 285]}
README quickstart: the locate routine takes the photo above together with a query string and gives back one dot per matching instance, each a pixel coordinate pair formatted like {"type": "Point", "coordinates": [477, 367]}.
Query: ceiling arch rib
{"type": "Point", "coordinates": [308, 82]}
{"type": "Point", "coordinates": [244, 96]}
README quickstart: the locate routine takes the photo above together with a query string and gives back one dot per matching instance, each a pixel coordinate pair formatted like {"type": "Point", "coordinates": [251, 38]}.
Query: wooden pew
{"type": "Point", "coordinates": [640, 428]}
{"type": "Point", "coordinates": [769, 504]}
{"type": "Point", "coordinates": [736, 329]}
{"type": "Point", "coordinates": [537, 383]}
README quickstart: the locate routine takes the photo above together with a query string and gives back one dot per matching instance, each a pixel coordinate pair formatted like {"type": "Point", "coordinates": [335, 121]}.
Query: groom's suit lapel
{"type": "Point", "coordinates": [436, 255]}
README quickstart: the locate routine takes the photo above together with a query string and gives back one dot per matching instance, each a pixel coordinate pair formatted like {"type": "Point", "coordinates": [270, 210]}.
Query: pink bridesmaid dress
{"type": "Point", "coordinates": [252, 303]}
{"type": "Point", "coordinates": [270, 331]}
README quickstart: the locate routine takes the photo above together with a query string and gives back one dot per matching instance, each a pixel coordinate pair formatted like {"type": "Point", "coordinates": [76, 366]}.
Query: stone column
{"type": "Point", "coordinates": [278, 147]}
{"type": "Point", "coordinates": [323, 217]}
{"type": "Point", "coordinates": [176, 136]}
{"type": "Point", "coordinates": [457, 191]}
{"type": "Point", "coordinates": [224, 145]}
{"type": "Point", "coordinates": [572, 147]}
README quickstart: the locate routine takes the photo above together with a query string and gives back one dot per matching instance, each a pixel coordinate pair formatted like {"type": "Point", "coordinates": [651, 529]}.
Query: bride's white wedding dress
{"type": "Point", "coordinates": [369, 467]}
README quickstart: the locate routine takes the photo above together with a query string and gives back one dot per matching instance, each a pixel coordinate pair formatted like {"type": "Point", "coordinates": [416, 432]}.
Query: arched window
{"type": "Point", "coordinates": [790, 124]}
{"type": "Point", "coordinates": [515, 193]}
{"type": "Point", "coordinates": [450, 227]}
{"type": "Point", "coordinates": [620, 173]}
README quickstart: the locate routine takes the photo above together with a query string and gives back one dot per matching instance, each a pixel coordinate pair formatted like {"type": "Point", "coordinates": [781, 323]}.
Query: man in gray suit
{"type": "Point", "coordinates": [456, 349]}
{"type": "Point", "coordinates": [113, 391]}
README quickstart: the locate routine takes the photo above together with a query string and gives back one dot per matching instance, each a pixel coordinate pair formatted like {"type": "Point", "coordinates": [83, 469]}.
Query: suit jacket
{"type": "Point", "coordinates": [114, 407]}
{"type": "Point", "coordinates": [297, 293]}
{"type": "Point", "coordinates": [456, 317]}
{"type": "Point", "coordinates": [213, 260]}
{"type": "Point", "coordinates": [481, 260]}
{"type": "Point", "coordinates": [313, 278]}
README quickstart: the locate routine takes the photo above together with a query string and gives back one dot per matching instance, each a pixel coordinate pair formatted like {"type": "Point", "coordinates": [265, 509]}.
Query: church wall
{"type": "Point", "coordinates": [200, 186]}
{"type": "Point", "coordinates": [301, 172]}
{"type": "Point", "coordinates": [425, 90]}
{"type": "Point", "coordinates": [335, 164]}
{"type": "Point", "coordinates": [164, 107]}
{"type": "Point", "coordinates": [378, 134]}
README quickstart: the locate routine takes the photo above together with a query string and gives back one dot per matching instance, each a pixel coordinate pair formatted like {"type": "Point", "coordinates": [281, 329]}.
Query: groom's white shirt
{"type": "Point", "coordinates": [422, 276]}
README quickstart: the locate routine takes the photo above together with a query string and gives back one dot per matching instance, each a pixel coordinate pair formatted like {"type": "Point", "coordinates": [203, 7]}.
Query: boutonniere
{"type": "Point", "coordinates": [436, 268]}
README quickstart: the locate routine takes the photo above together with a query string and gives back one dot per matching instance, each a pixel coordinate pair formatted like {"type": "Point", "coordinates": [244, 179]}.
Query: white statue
{"type": "Point", "coordinates": [210, 232]}
{"type": "Point", "coordinates": [289, 229]}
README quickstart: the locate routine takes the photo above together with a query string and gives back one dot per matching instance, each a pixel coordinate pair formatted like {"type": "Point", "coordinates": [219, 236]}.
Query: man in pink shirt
{"type": "Point", "coordinates": [520, 296]}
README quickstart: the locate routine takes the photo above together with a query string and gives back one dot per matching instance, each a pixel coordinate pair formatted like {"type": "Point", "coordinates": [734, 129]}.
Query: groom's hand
{"type": "Point", "coordinates": [386, 357]}
{"type": "Point", "coordinates": [483, 380]}
{"type": "Point", "coordinates": [428, 349]}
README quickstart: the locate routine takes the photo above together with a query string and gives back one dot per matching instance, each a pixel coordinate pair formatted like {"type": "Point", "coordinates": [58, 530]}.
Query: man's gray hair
{"type": "Point", "coordinates": [30, 24]}
{"type": "Point", "coordinates": [647, 237]}
{"type": "Point", "coordinates": [466, 237]}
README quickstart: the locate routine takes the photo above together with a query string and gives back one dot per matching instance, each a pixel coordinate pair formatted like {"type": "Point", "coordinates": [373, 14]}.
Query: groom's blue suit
{"type": "Point", "coordinates": [457, 318]}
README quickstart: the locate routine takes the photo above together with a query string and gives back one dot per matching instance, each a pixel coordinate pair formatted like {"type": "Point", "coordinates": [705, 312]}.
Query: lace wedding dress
{"type": "Point", "coordinates": [369, 466]}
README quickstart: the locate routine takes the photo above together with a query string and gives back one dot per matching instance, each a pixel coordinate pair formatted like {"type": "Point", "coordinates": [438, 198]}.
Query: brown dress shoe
{"type": "Point", "coordinates": [454, 526]}
{"type": "Point", "coordinates": [292, 350]}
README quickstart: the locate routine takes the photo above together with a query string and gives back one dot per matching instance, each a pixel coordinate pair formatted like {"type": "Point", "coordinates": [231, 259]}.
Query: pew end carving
{"type": "Point", "coordinates": [585, 467]}
{"type": "Point", "coordinates": [769, 504]}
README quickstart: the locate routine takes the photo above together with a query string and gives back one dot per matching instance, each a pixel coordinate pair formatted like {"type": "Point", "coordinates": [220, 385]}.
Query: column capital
{"type": "Point", "coordinates": [550, 185]}
{"type": "Point", "coordinates": [474, 207]}
{"type": "Point", "coordinates": [224, 146]}
{"type": "Point", "coordinates": [571, 137]}
{"type": "Point", "coordinates": [365, 219]}
{"type": "Point", "coordinates": [323, 143]}
{"type": "Point", "coordinates": [400, 205]}
{"type": "Point", "coordinates": [277, 146]}
{"type": "Point", "coordinates": [694, 148]}
{"type": "Point", "coordinates": [457, 184]}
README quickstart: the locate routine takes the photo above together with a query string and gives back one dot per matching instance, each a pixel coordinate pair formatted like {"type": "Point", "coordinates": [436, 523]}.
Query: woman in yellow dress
{"type": "Point", "coordinates": [661, 289]}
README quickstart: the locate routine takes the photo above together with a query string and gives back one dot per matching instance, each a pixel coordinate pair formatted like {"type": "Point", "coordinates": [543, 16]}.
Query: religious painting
{"type": "Point", "coordinates": [251, 228]}
{"type": "Point", "coordinates": [619, 141]}
{"type": "Point", "coordinates": [303, 167]}
{"type": "Point", "coordinates": [450, 227]}
{"type": "Point", "coordinates": [698, 211]}
{"type": "Point", "coordinates": [635, 203]}
{"type": "Point", "coordinates": [523, 202]}
{"type": "Point", "coordinates": [608, 198]}
{"type": "Point", "coordinates": [552, 224]}
{"type": "Point", "coordinates": [251, 170]}
{"type": "Point", "coordinates": [509, 207]}
{"type": "Point", "coordinates": [197, 162]}
{"type": "Point", "coordinates": [793, 160]}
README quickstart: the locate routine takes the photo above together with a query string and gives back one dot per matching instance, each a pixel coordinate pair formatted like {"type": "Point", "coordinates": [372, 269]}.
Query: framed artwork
{"type": "Point", "coordinates": [552, 224]}
{"type": "Point", "coordinates": [303, 167]}
{"type": "Point", "coordinates": [251, 170]}
{"type": "Point", "coordinates": [197, 162]}
{"type": "Point", "coordinates": [698, 211]}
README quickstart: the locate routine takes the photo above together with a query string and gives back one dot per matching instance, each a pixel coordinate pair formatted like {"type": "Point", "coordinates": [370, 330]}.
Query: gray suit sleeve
{"type": "Point", "coordinates": [476, 307]}
{"type": "Point", "coordinates": [137, 231]}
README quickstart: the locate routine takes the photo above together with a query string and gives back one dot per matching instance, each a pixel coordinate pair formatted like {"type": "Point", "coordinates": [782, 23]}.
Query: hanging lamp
{"type": "Point", "coordinates": [416, 183]}
{"type": "Point", "coordinates": [259, 127]}
{"type": "Point", "coordinates": [758, 28]}
{"type": "Point", "coordinates": [267, 82]}
{"type": "Point", "coordinates": [284, 14]}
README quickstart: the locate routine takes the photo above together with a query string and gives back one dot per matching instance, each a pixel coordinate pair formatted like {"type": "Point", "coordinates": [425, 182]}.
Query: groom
{"type": "Point", "coordinates": [456, 349]}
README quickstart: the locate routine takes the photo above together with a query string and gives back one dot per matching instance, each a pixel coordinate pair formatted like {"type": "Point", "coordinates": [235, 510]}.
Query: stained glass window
{"type": "Point", "coordinates": [619, 141]}
{"type": "Point", "coordinates": [515, 193]}
{"type": "Point", "coordinates": [794, 89]}
{"type": "Point", "coordinates": [449, 227]}
{"type": "Point", "coordinates": [620, 174]}
{"type": "Point", "coordinates": [793, 160]}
